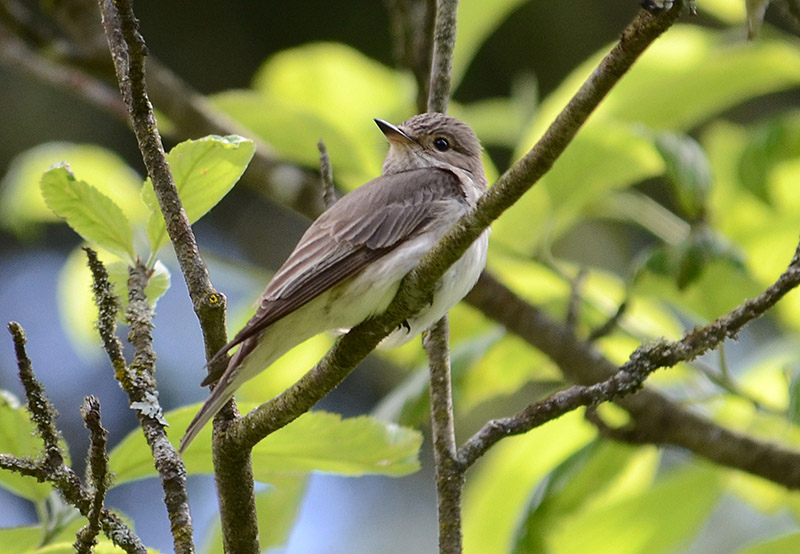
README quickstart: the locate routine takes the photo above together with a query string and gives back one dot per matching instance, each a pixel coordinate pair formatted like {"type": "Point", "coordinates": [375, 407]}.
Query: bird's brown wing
{"type": "Point", "coordinates": [360, 228]}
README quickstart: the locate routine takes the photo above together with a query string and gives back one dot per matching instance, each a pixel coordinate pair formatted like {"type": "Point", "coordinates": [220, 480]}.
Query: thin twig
{"type": "Point", "coordinates": [326, 175]}
{"type": "Point", "coordinates": [52, 468]}
{"type": "Point", "coordinates": [75, 62]}
{"type": "Point", "coordinates": [143, 394]}
{"type": "Point", "coordinates": [15, 53]}
{"type": "Point", "coordinates": [610, 324]}
{"type": "Point", "coordinates": [537, 414]}
{"type": "Point", "coordinates": [138, 382]}
{"type": "Point", "coordinates": [648, 358]}
{"type": "Point", "coordinates": [444, 41]}
{"type": "Point", "coordinates": [128, 52]}
{"type": "Point", "coordinates": [411, 25]}
{"type": "Point", "coordinates": [42, 412]}
{"type": "Point", "coordinates": [575, 303]}
{"type": "Point", "coordinates": [22, 22]}
{"type": "Point", "coordinates": [449, 470]}
{"type": "Point", "coordinates": [652, 412]}
{"type": "Point", "coordinates": [108, 305]}
{"type": "Point", "coordinates": [96, 474]}
{"type": "Point", "coordinates": [632, 374]}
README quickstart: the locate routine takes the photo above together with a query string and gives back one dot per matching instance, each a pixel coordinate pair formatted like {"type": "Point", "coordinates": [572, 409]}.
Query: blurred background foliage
{"type": "Point", "coordinates": [679, 196]}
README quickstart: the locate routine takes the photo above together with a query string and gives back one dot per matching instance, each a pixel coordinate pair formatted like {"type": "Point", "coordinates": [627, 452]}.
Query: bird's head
{"type": "Point", "coordinates": [432, 140]}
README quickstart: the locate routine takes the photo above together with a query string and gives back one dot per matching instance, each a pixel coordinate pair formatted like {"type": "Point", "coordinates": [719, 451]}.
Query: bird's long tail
{"type": "Point", "coordinates": [214, 403]}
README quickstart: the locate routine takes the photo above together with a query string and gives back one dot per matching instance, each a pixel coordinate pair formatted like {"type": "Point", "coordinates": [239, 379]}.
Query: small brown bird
{"type": "Point", "coordinates": [348, 265]}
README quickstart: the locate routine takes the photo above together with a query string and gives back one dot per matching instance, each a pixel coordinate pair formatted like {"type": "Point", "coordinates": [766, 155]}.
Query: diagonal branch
{"type": "Point", "coordinates": [16, 53]}
{"type": "Point", "coordinates": [69, 56]}
{"type": "Point", "coordinates": [128, 52]}
{"type": "Point", "coordinates": [656, 419]}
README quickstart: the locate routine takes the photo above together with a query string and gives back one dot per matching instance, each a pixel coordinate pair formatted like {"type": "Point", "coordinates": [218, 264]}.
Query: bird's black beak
{"type": "Point", "coordinates": [393, 132]}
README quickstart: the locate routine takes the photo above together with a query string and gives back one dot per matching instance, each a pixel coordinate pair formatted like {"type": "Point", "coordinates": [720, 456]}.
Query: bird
{"type": "Point", "coordinates": [348, 265]}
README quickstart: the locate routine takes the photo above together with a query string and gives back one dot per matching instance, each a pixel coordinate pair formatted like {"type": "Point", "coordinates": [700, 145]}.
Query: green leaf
{"type": "Point", "coordinates": [407, 403]}
{"type": "Point", "coordinates": [691, 74]}
{"type": "Point", "coordinates": [158, 284]}
{"type": "Point", "coordinates": [277, 509]}
{"type": "Point", "coordinates": [17, 437]}
{"type": "Point", "coordinates": [337, 84]}
{"type": "Point", "coordinates": [22, 207]}
{"type": "Point", "coordinates": [498, 490]}
{"type": "Point", "coordinates": [204, 171]}
{"type": "Point", "coordinates": [476, 21]}
{"type": "Point", "coordinates": [732, 13]}
{"type": "Point", "coordinates": [323, 91]}
{"type": "Point", "coordinates": [92, 214]}
{"type": "Point", "coordinates": [64, 520]}
{"type": "Point", "coordinates": [604, 157]}
{"type": "Point", "coordinates": [598, 474]}
{"type": "Point", "coordinates": [76, 307]}
{"type": "Point", "coordinates": [790, 544]}
{"type": "Point", "coordinates": [768, 144]}
{"type": "Point", "coordinates": [688, 171]}
{"type": "Point", "coordinates": [270, 118]}
{"type": "Point", "coordinates": [21, 539]}
{"type": "Point", "coordinates": [645, 523]}
{"type": "Point", "coordinates": [317, 441]}
{"type": "Point", "coordinates": [687, 261]}
{"type": "Point", "coordinates": [286, 370]}
{"type": "Point", "coordinates": [496, 121]}
{"type": "Point", "coordinates": [688, 76]}
{"type": "Point", "coordinates": [505, 365]}
{"type": "Point", "coordinates": [766, 231]}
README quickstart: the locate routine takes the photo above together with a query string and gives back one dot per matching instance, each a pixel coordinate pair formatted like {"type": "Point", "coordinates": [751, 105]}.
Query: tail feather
{"type": "Point", "coordinates": [218, 398]}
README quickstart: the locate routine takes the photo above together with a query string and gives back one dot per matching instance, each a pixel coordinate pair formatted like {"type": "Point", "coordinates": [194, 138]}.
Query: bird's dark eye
{"type": "Point", "coordinates": [441, 144]}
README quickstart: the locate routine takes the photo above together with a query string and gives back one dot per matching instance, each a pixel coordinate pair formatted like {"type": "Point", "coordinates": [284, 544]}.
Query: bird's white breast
{"type": "Point", "coordinates": [454, 285]}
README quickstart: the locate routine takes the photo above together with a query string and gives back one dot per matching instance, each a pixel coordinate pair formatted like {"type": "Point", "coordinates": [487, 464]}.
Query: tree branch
{"type": "Point", "coordinates": [232, 469]}
{"type": "Point", "coordinates": [52, 467]}
{"type": "Point", "coordinates": [449, 469]}
{"type": "Point", "coordinates": [656, 419]}
{"type": "Point", "coordinates": [326, 175]}
{"type": "Point", "coordinates": [444, 43]}
{"type": "Point", "coordinates": [128, 52]}
{"type": "Point", "coordinates": [143, 396]}
{"type": "Point", "coordinates": [43, 413]}
{"type": "Point", "coordinates": [138, 382]}
{"type": "Point", "coordinates": [411, 25]}
{"type": "Point", "coordinates": [76, 62]}
{"type": "Point", "coordinates": [16, 53]}
{"type": "Point", "coordinates": [96, 474]}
